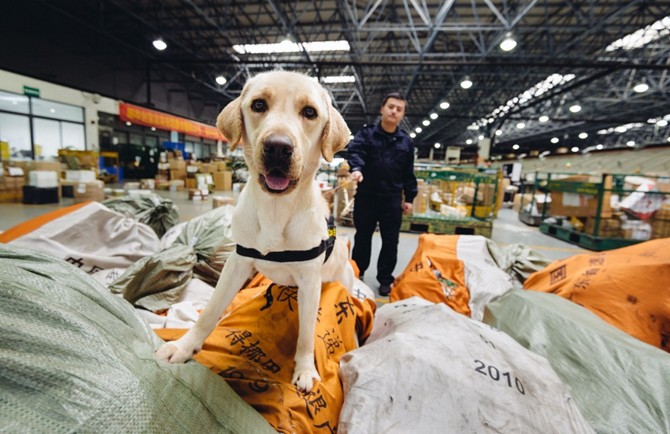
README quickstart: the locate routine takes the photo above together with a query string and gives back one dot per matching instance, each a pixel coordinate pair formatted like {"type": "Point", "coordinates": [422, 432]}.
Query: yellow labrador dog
{"type": "Point", "coordinates": [285, 122]}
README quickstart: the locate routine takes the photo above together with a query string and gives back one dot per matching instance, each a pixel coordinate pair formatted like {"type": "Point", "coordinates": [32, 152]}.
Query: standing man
{"type": "Point", "coordinates": [381, 158]}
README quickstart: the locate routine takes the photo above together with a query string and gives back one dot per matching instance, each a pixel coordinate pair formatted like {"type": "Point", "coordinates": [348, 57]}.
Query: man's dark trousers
{"type": "Point", "coordinates": [368, 210]}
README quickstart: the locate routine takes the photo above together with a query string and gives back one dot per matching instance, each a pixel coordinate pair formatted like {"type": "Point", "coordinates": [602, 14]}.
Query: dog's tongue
{"type": "Point", "coordinates": [276, 182]}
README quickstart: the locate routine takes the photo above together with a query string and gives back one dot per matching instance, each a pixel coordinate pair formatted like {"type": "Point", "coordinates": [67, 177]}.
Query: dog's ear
{"type": "Point", "coordinates": [230, 122]}
{"type": "Point", "coordinates": [335, 135]}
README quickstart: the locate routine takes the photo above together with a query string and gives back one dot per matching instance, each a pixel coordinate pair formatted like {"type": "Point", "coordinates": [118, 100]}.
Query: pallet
{"type": "Point", "coordinates": [590, 242]}
{"type": "Point", "coordinates": [448, 226]}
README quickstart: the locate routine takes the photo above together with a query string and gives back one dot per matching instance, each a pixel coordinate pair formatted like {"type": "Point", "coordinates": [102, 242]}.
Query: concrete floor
{"type": "Point", "coordinates": [507, 229]}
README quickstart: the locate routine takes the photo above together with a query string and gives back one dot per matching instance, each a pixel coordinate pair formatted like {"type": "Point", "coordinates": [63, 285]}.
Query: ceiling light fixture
{"type": "Point", "coordinates": [509, 43]}
{"type": "Point", "coordinates": [433, 116]}
{"type": "Point", "coordinates": [583, 135]}
{"type": "Point", "coordinates": [662, 123]}
{"type": "Point", "coordinates": [220, 80]}
{"type": "Point", "coordinates": [641, 87]}
{"type": "Point", "coordinates": [292, 47]}
{"type": "Point", "coordinates": [332, 79]}
{"type": "Point", "coordinates": [469, 141]}
{"type": "Point", "coordinates": [418, 130]}
{"type": "Point", "coordinates": [630, 143]}
{"type": "Point", "coordinates": [521, 125]}
{"type": "Point", "coordinates": [159, 44]}
{"type": "Point", "coordinates": [575, 108]}
{"type": "Point", "coordinates": [444, 105]}
{"type": "Point", "coordinates": [481, 137]}
{"type": "Point", "coordinates": [412, 135]}
{"type": "Point", "coordinates": [425, 122]}
{"type": "Point", "coordinates": [554, 140]}
{"type": "Point", "coordinates": [574, 149]}
{"type": "Point", "coordinates": [466, 83]}
{"type": "Point", "coordinates": [515, 147]}
{"type": "Point", "coordinates": [544, 118]}
{"type": "Point", "coordinates": [437, 146]}
{"type": "Point", "coordinates": [599, 147]}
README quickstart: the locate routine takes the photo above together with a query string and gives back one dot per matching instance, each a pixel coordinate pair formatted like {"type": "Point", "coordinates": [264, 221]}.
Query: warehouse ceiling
{"type": "Point", "coordinates": [568, 52]}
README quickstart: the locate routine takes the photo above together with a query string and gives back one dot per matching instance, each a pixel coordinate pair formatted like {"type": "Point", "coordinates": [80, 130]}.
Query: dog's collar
{"type": "Point", "coordinates": [295, 255]}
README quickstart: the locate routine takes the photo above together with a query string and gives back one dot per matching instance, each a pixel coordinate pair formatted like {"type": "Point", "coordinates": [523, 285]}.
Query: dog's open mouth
{"type": "Point", "coordinates": [277, 182]}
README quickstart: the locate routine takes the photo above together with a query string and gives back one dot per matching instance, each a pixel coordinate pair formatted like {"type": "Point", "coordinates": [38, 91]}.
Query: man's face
{"type": "Point", "coordinates": [393, 111]}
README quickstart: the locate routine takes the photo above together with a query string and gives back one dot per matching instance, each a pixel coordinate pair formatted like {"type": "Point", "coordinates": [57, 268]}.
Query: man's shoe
{"type": "Point", "coordinates": [384, 290]}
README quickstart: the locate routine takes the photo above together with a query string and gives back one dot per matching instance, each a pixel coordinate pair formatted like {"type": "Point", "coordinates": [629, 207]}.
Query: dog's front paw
{"type": "Point", "coordinates": [304, 379]}
{"type": "Point", "coordinates": [172, 352]}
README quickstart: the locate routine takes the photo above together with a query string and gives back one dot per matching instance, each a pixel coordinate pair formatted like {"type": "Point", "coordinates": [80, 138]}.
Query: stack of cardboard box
{"type": "Point", "coordinates": [11, 184]}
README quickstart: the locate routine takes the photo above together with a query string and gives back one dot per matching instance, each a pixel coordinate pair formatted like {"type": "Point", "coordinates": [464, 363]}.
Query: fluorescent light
{"type": "Point", "coordinates": [642, 37]}
{"type": "Point", "coordinates": [433, 116]}
{"type": "Point", "coordinates": [159, 44]}
{"type": "Point", "coordinates": [544, 118]}
{"type": "Point", "coordinates": [508, 44]}
{"type": "Point", "coordinates": [575, 108]}
{"type": "Point", "coordinates": [331, 79]}
{"type": "Point", "coordinates": [641, 87]}
{"type": "Point", "coordinates": [220, 79]}
{"type": "Point", "coordinates": [466, 83]}
{"type": "Point", "coordinates": [554, 140]}
{"type": "Point", "coordinates": [583, 135]}
{"type": "Point", "coordinates": [444, 105]}
{"type": "Point", "coordinates": [291, 47]}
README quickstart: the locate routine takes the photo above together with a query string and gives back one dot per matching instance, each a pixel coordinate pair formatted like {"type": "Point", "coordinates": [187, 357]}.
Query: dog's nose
{"type": "Point", "coordinates": [278, 146]}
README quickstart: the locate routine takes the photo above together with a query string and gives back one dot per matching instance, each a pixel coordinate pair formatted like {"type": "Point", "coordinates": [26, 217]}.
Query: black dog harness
{"type": "Point", "coordinates": [296, 255]}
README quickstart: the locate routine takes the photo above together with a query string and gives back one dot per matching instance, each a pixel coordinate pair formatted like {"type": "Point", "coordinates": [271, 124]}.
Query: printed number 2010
{"type": "Point", "coordinates": [494, 373]}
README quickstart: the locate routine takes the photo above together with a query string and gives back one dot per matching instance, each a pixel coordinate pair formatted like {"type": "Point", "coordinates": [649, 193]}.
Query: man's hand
{"type": "Point", "coordinates": [407, 207]}
{"type": "Point", "coordinates": [356, 176]}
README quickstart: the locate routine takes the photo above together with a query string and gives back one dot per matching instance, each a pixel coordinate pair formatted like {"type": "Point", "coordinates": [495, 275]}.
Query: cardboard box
{"type": "Point", "coordinates": [177, 164]}
{"type": "Point", "coordinates": [218, 201]}
{"type": "Point", "coordinates": [609, 227]}
{"type": "Point", "coordinates": [576, 196]}
{"type": "Point", "coordinates": [80, 175]}
{"type": "Point", "coordinates": [223, 181]}
{"type": "Point", "coordinates": [660, 228]}
{"type": "Point", "coordinates": [178, 174]}
{"type": "Point", "coordinates": [89, 191]}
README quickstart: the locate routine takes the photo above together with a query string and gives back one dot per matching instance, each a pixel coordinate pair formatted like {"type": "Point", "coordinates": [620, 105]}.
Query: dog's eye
{"type": "Point", "coordinates": [309, 112]}
{"type": "Point", "coordinates": [259, 106]}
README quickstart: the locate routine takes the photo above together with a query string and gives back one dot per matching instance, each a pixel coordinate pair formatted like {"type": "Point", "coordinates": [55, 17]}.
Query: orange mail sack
{"type": "Point", "coordinates": [628, 287]}
{"type": "Point", "coordinates": [253, 348]}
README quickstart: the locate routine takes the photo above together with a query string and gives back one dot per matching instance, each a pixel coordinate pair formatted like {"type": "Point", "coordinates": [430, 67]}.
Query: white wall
{"type": "Point", "coordinates": [92, 103]}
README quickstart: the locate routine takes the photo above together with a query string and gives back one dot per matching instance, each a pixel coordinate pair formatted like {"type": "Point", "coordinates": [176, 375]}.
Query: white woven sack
{"type": "Point", "coordinates": [93, 238]}
{"type": "Point", "coordinates": [427, 369]}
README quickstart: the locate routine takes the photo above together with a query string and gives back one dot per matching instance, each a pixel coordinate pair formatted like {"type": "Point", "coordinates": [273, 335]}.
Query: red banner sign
{"type": "Point", "coordinates": [152, 118]}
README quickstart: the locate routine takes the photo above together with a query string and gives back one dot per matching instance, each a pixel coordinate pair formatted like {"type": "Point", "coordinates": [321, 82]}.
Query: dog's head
{"type": "Point", "coordinates": [285, 121]}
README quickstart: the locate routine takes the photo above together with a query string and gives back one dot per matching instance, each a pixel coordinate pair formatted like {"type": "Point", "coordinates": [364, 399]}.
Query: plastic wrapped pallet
{"type": "Point", "coordinates": [619, 383]}
{"type": "Point", "coordinates": [77, 359]}
{"type": "Point", "coordinates": [428, 369]}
